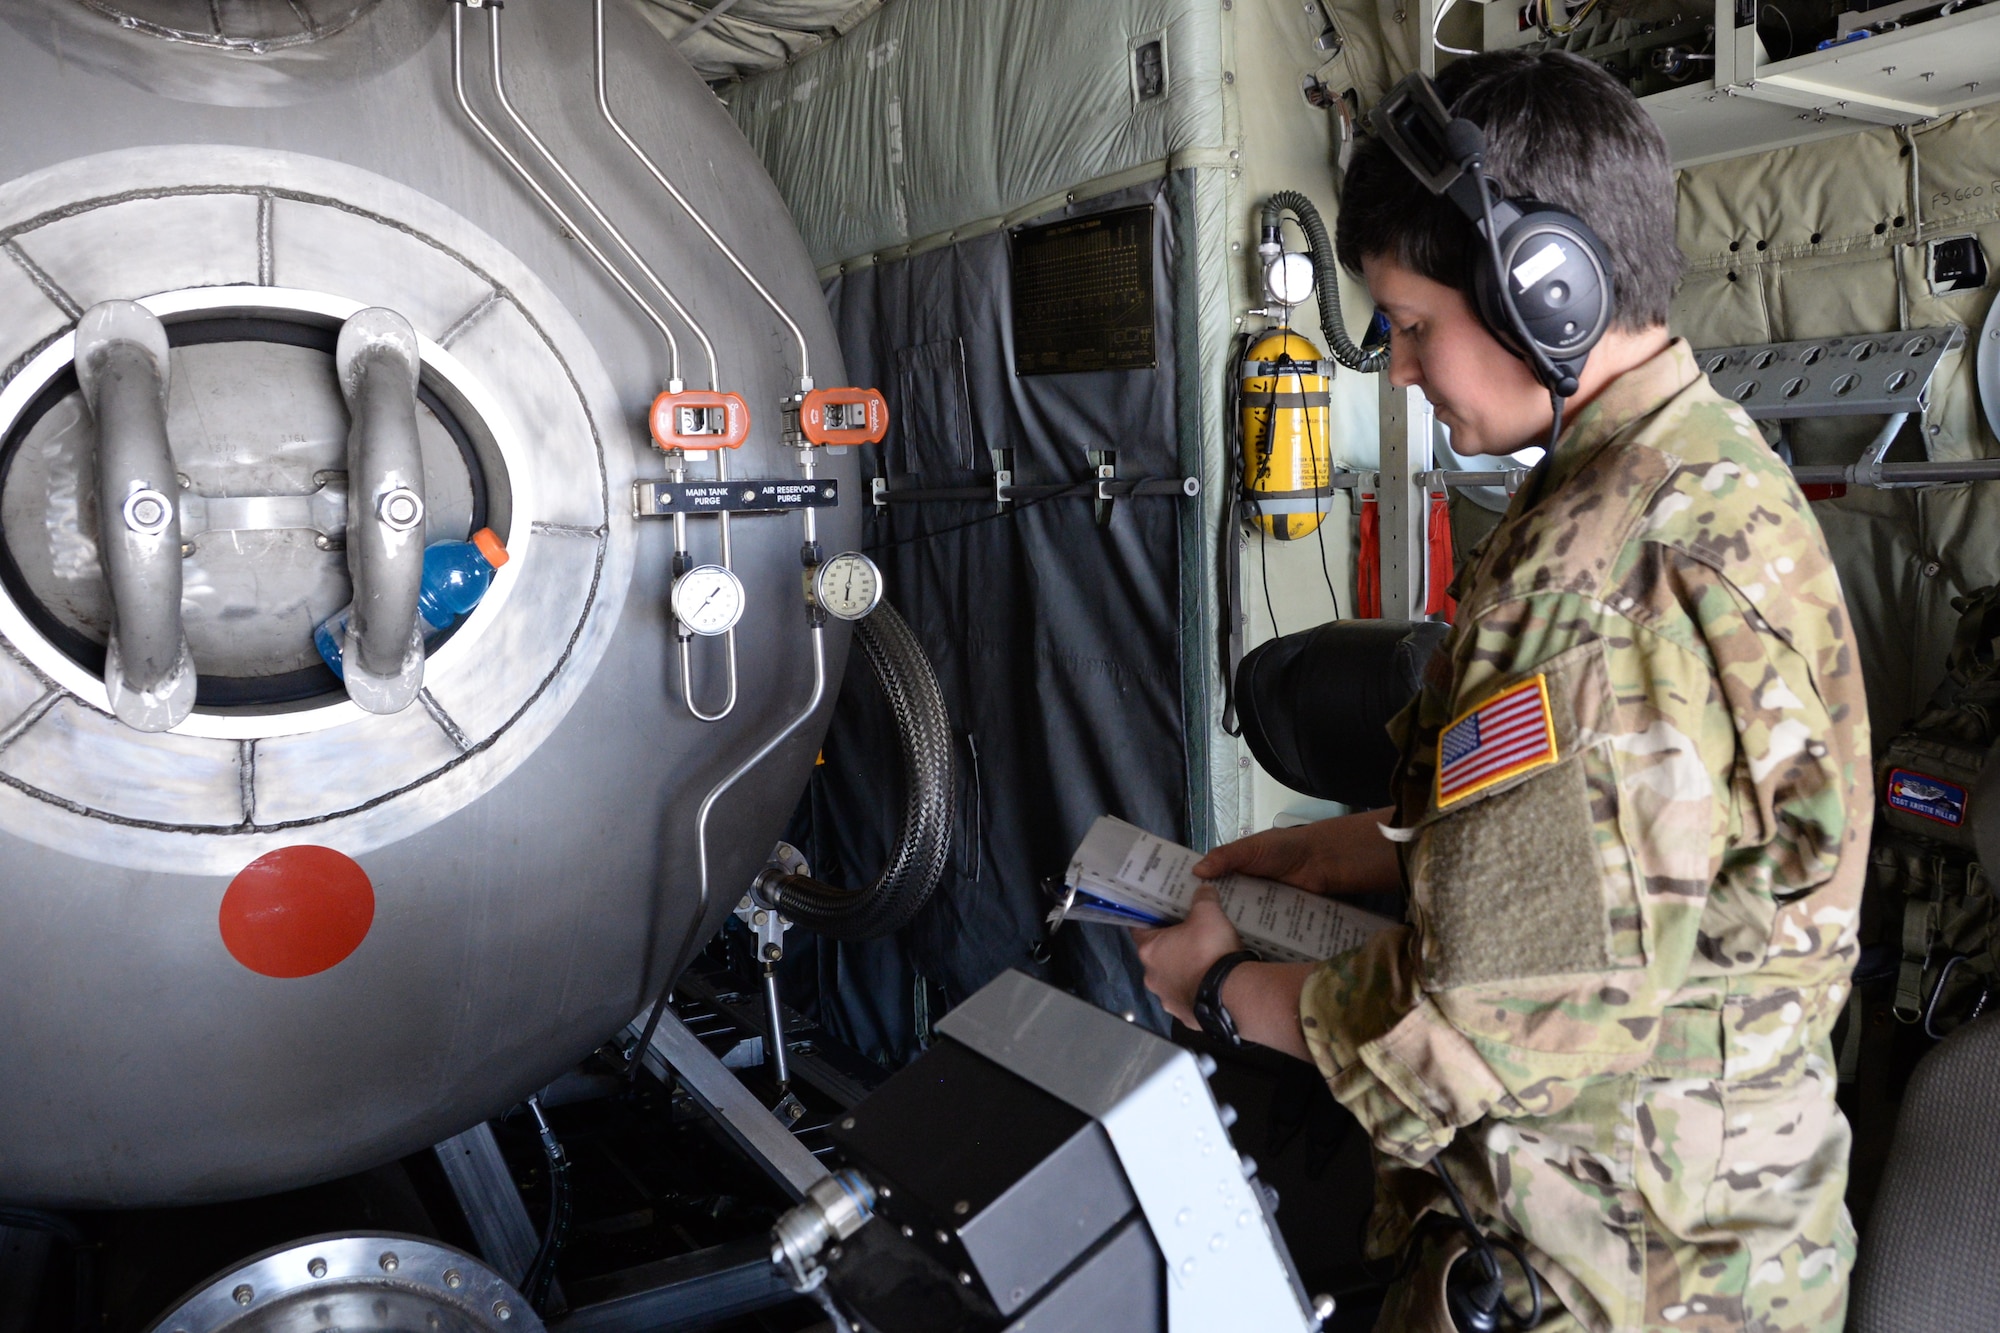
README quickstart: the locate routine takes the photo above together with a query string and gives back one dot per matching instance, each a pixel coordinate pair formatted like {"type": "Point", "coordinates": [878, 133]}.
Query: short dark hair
{"type": "Point", "coordinates": [1558, 129]}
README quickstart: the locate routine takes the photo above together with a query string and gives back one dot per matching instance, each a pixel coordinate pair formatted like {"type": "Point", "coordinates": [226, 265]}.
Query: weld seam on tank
{"type": "Point", "coordinates": [43, 282]}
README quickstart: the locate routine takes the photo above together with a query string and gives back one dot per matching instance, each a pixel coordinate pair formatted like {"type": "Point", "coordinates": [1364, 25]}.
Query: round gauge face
{"type": "Point", "coordinates": [1289, 279]}
{"type": "Point", "coordinates": [848, 586]}
{"type": "Point", "coordinates": [708, 599]}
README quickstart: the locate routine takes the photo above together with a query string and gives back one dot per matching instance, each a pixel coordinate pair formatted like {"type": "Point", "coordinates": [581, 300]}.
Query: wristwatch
{"type": "Point", "coordinates": [1208, 1007]}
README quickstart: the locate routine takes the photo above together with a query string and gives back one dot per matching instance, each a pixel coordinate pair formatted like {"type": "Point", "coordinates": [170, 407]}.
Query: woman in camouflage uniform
{"type": "Point", "coordinates": [1633, 802]}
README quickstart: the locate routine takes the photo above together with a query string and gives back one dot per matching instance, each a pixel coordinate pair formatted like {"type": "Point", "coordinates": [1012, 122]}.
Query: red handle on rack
{"type": "Point", "coordinates": [1368, 561]}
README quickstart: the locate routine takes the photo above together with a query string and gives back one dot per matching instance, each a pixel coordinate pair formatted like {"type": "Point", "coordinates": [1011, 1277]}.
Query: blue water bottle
{"type": "Point", "coordinates": [456, 576]}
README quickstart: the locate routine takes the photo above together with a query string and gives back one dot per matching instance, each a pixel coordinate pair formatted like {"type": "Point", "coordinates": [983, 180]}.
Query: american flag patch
{"type": "Point", "coordinates": [1508, 734]}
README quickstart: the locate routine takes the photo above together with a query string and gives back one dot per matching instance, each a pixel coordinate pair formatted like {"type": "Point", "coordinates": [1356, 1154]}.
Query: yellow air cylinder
{"type": "Point", "coordinates": [1285, 420]}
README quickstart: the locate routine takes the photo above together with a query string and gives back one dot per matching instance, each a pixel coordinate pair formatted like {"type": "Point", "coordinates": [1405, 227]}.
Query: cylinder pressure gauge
{"type": "Point", "coordinates": [1288, 279]}
{"type": "Point", "coordinates": [846, 587]}
{"type": "Point", "coordinates": [708, 599]}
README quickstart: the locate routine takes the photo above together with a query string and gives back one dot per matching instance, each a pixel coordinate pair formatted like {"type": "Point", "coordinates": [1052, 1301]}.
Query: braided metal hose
{"type": "Point", "coordinates": [923, 845]}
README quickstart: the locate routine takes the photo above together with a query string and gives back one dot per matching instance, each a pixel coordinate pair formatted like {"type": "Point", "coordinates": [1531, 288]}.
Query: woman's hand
{"type": "Point", "coordinates": [1178, 957]}
{"type": "Point", "coordinates": [1347, 854]}
{"type": "Point", "coordinates": [1262, 998]}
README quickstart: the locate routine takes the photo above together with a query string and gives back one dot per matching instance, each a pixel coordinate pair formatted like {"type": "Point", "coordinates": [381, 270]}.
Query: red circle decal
{"type": "Point", "coordinates": [297, 911]}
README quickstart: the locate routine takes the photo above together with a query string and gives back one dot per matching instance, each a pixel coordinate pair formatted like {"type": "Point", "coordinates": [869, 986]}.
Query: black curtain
{"type": "Point", "coordinates": [1055, 638]}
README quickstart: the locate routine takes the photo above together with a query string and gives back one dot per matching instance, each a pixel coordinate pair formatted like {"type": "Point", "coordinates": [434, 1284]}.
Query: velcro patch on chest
{"type": "Point", "coordinates": [1930, 797]}
{"type": "Point", "coordinates": [1509, 734]}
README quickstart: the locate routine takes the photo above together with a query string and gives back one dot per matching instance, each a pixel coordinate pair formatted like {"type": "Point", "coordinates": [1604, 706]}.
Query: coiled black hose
{"type": "Point", "coordinates": [1332, 324]}
{"type": "Point", "coordinates": [923, 845]}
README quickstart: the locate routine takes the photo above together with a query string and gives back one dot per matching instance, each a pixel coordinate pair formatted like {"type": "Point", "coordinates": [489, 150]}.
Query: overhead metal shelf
{"type": "Point", "coordinates": [1932, 68]}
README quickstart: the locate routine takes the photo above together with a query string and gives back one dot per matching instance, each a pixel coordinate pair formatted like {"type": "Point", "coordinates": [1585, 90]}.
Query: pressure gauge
{"type": "Point", "coordinates": [848, 586]}
{"type": "Point", "coordinates": [708, 599]}
{"type": "Point", "coordinates": [1288, 279]}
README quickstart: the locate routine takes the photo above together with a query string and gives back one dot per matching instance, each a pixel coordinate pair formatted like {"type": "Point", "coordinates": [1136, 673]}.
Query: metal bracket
{"type": "Point", "coordinates": [323, 511]}
{"type": "Point", "coordinates": [749, 1125]}
{"type": "Point", "coordinates": [1105, 463]}
{"type": "Point", "coordinates": [878, 492]}
{"type": "Point", "coordinates": [664, 499]}
{"type": "Point", "coordinates": [1865, 374]}
{"type": "Point", "coordinates": [769, 926]}
{"type": "Point", "coordinates": [1868, 471]}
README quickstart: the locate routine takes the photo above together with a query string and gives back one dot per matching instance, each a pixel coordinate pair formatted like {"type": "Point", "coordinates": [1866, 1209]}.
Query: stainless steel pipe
{"type": "Point", "coordinates": [121, 365]}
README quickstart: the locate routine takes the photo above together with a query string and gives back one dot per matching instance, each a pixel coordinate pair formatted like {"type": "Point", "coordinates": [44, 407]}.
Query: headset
{"type": "Point", "coordinates": [1554, 301]}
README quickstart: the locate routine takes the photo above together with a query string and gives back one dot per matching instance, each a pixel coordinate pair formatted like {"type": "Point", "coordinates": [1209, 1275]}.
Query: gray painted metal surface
{"type": "Point", "coordinates": [1226, 1266]}
{"type": "Point", "coordinates": [528, 825]}
{"type": "Point", "coordinates": [1867, 374]}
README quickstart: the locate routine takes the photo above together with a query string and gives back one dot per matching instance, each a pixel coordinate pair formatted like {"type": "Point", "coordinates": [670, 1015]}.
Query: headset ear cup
{"type": "Point", "coordinates": [1486, 299]}
{"type": "Point", "coordinates": [1565, 296]}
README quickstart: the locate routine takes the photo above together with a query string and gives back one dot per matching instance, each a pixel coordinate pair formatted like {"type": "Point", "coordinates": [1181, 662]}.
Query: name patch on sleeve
{"type": "Point", "coordinates": [1509, 734]}
{"type": "Point", "coordinates": [1922, 794]}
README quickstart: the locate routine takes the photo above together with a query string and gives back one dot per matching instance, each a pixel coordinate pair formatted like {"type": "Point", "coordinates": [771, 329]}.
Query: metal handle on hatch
{"type": "Point", "coordinates": [121, 366]}
{"type": "Point", "coordinates": [382, 657]}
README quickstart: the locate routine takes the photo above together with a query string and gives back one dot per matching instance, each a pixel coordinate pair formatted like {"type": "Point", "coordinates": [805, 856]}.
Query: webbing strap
{"type": "Point", "coordinates": [1288, 369]}
{"type": "Point", "coordinates": [1319, 399]}
{"type": "Point", "coordinates": [1848, 1063]}
{"type": "Point", "coordinates": [1920, 926]}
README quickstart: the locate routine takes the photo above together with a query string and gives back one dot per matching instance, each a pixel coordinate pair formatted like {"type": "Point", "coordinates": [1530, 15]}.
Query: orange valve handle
{"type": "Point", "coordinates": [700, 419]}
{"type": "Point", "coordinates": [844, 416]}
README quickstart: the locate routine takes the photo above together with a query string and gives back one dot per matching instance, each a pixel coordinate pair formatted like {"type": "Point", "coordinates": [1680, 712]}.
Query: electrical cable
{"type": "Point", "coordinates": [1484, 1244]}
{"type": "Point", "coordinates": [1791, 38]}
{"type": "Point", "coordinates": [1437, 21]}
{"type": "Point", "coordinates": [1266, 448]}
{"type": "Point", "coordinates": [1229, 542]}
{"type": "Point", "coordinates": [1322, 474]}
{"type": "Point", "coordinates": [1264, 567]}
{"type": "Point", "coordinates": [541, 1274]}
{"type": "Point", "coordinates": [1576, 20]}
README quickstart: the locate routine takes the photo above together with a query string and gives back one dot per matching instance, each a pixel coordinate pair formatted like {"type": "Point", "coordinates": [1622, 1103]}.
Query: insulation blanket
{"type": "Point", "coordinates": [1831, 238]}
{"type": "Point", "coordinates": [933, 113]}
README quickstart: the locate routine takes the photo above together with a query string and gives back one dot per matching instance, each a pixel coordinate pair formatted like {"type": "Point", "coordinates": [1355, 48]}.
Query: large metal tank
{"type": "Point", "coordinates": [255, 172]}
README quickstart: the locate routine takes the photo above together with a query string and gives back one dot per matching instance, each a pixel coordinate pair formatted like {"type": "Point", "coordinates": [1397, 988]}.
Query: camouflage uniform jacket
{"type": "Point", "coordinates": [1635, 803]}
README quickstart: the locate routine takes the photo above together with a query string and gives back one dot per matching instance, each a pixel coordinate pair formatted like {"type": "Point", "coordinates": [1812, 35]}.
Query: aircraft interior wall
{"type": "Point", "coordinates": [1832, 238]}
{"type": "Point", "coordinates": [883, 161]}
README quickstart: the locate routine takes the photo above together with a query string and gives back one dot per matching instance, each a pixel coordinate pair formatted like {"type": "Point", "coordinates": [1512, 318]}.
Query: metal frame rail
{"type": "Point", "coordinates": [683, 1292]}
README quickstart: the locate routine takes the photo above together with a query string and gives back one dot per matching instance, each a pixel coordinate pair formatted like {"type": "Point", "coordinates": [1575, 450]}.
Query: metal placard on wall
{"type": "Point", "coordinates": [1083, 294]}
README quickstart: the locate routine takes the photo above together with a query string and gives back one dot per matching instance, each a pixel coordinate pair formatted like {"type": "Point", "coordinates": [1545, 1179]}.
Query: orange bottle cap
{"type": "Point", "coordinates": [488, 542]}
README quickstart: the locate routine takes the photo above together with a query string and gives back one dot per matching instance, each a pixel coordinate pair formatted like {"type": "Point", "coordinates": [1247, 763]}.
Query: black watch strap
{"type": "Point", "coordinates": [1208, 1007]}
